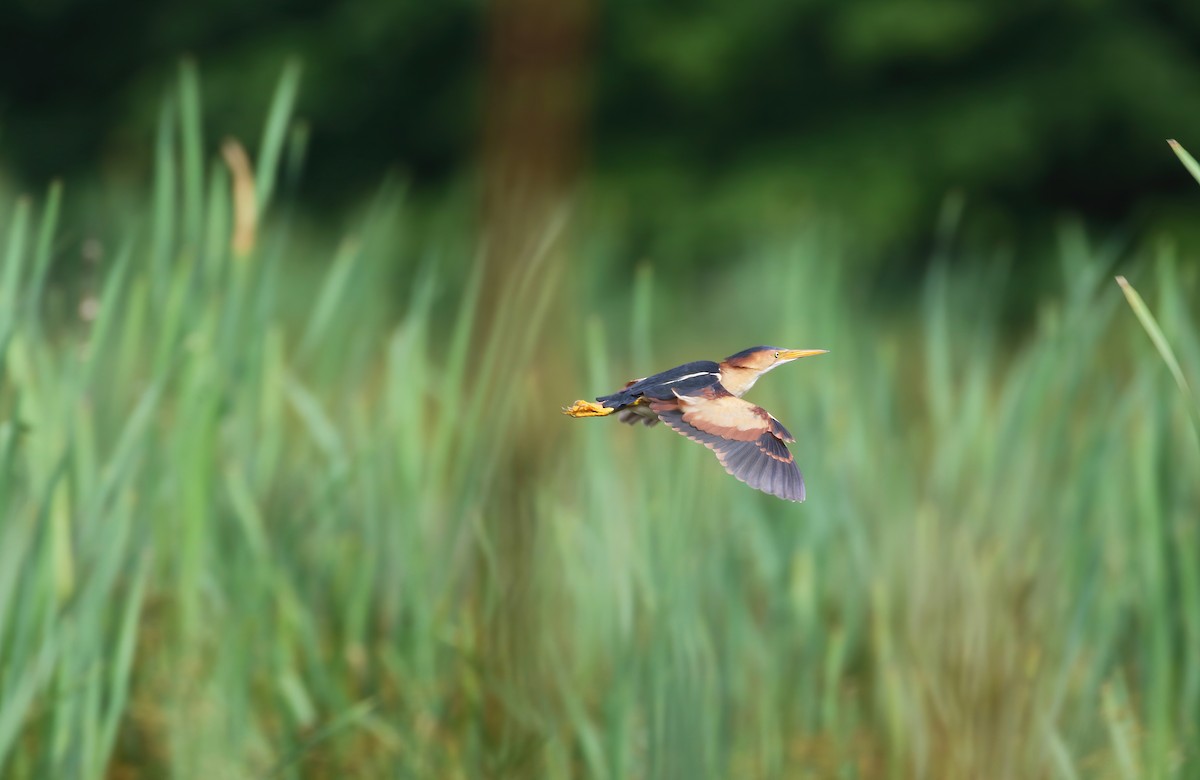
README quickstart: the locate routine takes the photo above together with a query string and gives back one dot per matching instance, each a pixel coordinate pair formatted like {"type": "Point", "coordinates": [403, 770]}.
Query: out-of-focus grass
{"type": "Point", "coordinates": [253, 524]}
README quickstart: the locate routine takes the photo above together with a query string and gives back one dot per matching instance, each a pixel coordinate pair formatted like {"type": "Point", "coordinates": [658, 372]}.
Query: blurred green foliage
{"type": "Point", "coordinates": [727, 115]}
{"type": "Point", "coordinates": [257, 522]}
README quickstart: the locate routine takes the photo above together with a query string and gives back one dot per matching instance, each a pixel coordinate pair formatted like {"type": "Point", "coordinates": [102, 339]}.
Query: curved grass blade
{"type": "Point", "coordinates": [275, 132]}
{"type": "Point", "coordinates": [1188, 161]}
{"type": "Point", "coordinates": [1150, 325]}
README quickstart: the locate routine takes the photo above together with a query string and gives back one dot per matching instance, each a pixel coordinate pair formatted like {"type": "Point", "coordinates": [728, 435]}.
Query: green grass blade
{"type": "Point", "coordinates": [164, 219]}
{"type": "Point", "coordinates": [122, 662]}
{"type": "Point", "coordinates": [333, 295]}
{"type": "Point", "coordinates": [1188, 161]}
{"type": "Point", "coordinates": [43, 250]}
{"type": "Point", "coordinates": [192, 147]}
{"type": "Point", "coordinates": [275, 133]}
{"type": "Point", "coordinates": [15, 707]}
{"type": "Point", "coordinates": [10, 274]}
{"type": "Point", "coordinates": [1150, 325]}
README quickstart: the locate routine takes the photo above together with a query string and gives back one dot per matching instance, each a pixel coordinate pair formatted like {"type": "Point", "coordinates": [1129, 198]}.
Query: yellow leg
{"type": "Point", "coordinates": [587, 409]}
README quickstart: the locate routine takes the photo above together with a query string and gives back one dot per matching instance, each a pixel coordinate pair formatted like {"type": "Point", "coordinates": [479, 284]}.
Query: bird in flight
{"type": "Point", "coordinates": [703, 401]}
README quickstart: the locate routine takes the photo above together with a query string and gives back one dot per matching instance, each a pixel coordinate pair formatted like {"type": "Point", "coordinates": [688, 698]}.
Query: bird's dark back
{"type": "Point", "coordinates": [685, 380]}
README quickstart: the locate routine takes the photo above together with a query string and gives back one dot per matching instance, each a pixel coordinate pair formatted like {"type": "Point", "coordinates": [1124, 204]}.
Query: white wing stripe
{"type": "Point", "coordinates": [689, 376]}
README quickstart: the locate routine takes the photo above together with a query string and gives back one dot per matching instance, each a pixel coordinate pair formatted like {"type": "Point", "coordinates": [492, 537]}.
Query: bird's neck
{"type": "Point", "coordinates": [738, 380]}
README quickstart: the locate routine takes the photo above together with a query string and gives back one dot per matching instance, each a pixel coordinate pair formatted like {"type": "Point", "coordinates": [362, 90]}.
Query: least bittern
{"type": "Point", "coordinates": [703, 401]}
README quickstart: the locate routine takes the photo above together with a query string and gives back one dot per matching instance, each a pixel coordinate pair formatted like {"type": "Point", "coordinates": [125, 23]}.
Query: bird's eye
{"type": "Point", "coordinates": [777, 356]}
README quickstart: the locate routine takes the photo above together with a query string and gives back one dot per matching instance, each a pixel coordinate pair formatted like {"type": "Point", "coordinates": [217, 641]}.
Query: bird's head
{"type": "Point", "coordinates": [763, 359]}
{"type": "Point", "coordinates": [741, 370]}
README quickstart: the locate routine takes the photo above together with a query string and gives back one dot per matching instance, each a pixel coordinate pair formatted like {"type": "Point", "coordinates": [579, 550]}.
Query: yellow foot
{"type": "Point", "coordinates": [587, 409]}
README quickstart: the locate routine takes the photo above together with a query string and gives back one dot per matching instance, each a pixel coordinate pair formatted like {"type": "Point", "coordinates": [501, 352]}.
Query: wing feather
{"type": "Point", "coordinates": [745, 440]}
{"type": "Point", "coordinates": [715, 411]}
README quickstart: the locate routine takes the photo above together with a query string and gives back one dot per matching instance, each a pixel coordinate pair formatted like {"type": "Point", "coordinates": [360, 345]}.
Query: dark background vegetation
{"type": "Point", "coordinates": [749, 113]}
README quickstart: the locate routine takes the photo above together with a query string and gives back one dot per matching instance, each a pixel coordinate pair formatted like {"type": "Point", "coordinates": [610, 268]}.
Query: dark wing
{"type": "Point", "coordinates": [747, 440]}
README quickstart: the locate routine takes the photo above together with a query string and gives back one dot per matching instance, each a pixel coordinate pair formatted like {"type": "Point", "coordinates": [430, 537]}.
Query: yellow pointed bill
{"type": "Point", "coordinates": [792, 354]}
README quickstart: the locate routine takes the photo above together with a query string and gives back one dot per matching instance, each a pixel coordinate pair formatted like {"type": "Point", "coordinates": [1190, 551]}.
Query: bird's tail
{"type": "Point", "coordinates": [618, 400]}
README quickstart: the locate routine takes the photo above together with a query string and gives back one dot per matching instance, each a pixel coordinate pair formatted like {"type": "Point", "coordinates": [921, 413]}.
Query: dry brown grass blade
{"type": "Point", "coordinates": [245, 206]}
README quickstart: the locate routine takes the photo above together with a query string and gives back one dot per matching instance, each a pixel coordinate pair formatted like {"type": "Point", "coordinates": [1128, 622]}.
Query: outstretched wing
{"type": "Point", "coordinates": [747, 440]}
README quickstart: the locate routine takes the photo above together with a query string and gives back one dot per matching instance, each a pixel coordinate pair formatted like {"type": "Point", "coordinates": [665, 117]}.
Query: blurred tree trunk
{"type": "Point", "coordinates": [533, 126]}
{"type": "Point", "coordinates": [532, 144]}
